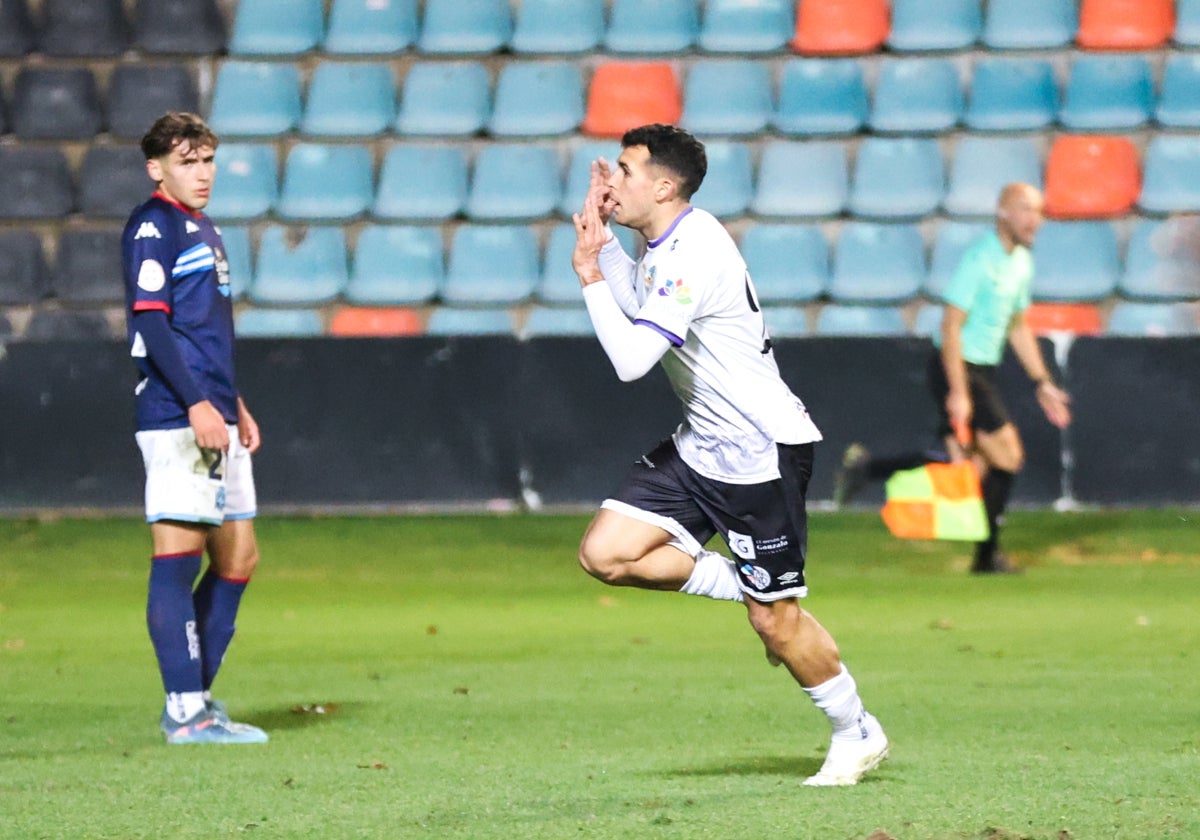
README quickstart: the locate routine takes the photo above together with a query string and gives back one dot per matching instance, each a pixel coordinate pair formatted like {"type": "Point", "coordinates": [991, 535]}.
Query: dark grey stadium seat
{"type": "Point", "coordinates": [83, 28]}
{"type": "Point", "coordinates": [185, 27]}
{"type": "Point", "coordinates": [22, 268]}
{"type": "Point", "coordinates": [88, 268]}
{"type": "Point", "coordinates": [68, 324]}
{"type": "Point", "coordinates": [55, 104]}
{"type": "Point", "coordinates": [112, 181]}
{"type": "Point", "coordinates": [35, 183]}
{"type": "Point", "coordinates": [3, 112]}
{"type": "Point", "coordinates": [138, 94]}
{"type": "Point", "coordinates": [16, 29]}
{"type": "Point", "coordinates": [6, 327]}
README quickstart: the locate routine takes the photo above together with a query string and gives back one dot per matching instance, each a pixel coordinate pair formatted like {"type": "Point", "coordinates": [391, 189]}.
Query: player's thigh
{"type": "Point", "coordinates": [621, 537]}
{"type": "Point", "coordinates": [233, 549]}
{"type": "Point", "coordinates": [169, 537]}
{"type": "Point", "coordinates": [1002, 448]}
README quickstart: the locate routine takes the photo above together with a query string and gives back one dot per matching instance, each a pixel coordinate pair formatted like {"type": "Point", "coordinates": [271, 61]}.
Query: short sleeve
{"type": "Point", "coordinates": [676, 291]}
{"type": "Point", "coordinates": [964, 284]}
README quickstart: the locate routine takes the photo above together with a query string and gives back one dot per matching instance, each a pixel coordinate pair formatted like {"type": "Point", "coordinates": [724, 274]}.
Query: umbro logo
{"type": "Point", "coordinates": [191, 227]}
{"type": "Point", "coordinates": [147, 230]}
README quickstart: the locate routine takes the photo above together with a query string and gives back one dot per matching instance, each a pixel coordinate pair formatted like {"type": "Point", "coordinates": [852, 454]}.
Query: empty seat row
{"type": "Point", "coordinates": [100, 28]}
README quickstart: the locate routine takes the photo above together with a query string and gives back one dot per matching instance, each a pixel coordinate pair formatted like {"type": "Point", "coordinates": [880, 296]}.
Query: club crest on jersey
{"type": "Point", "coordinates": [147, 230]}
{"type": "Point", "coordinates": [151, 277]}
{"type": "Point", "coordinates": [676, 289]}
{"type": "Point", "coordinates": [648, 278]}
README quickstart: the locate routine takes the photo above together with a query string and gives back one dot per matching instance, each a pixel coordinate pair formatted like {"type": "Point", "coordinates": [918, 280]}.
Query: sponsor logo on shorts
{"type": "Point", "coordinates": [772, 545]}
{"type": "Point", "coordinates": [759, 576]}
{"type": "Point", "coordinates": [788, 577]}
{"type": "Point", "coordinates": [742, 545]}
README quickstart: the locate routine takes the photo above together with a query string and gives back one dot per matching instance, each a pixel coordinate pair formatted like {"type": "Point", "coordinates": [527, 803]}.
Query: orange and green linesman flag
{"type": "Point", "coordinates": [936, 502]}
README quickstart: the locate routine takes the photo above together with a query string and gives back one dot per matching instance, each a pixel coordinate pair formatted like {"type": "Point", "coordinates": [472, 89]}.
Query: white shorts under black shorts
{"type": "Point", "coordinates": [185, 483]}
{"type": "Point", "coordinates": [765, 525]}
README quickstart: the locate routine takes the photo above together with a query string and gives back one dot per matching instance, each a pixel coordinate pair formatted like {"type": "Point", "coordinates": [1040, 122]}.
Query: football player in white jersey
{"type": "Point", "coordinates": [740, 461]}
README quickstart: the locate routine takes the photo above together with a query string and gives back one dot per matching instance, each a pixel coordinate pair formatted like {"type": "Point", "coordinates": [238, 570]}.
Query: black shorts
{"type": "Point", "coordinates": [989, 412]}
{"type": "Point", "coordinates": [765, 525]}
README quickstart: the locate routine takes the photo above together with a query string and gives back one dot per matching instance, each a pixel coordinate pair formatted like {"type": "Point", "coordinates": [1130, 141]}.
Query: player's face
{"type": "Point", "coordinates": [1022, 216]}
{"type": "Point", "coordinates": [185, 175]}
{"type": "Point", "coordinates": [633, 185]}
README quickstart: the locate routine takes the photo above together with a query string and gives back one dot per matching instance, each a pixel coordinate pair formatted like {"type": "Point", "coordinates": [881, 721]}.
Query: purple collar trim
{"type": "Point", "coordinates": [674, 225]}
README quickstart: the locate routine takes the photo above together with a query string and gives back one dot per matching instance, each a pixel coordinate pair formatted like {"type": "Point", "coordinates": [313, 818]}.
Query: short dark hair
{"type": "Point", "coordinates": [174, 128]}
{"type": "Point", "coordinates": [675, 149]}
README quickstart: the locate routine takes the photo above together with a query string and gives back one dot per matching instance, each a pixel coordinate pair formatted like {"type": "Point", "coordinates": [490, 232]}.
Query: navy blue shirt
{"type": "Point", "coordinates": [174, 262]}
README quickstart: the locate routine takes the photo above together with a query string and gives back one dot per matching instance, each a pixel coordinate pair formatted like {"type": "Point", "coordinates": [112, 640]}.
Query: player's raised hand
{"type": "Point", "coordinates": [590, 235]}
{"type": "Point", "coordinates": [598, 192]}
{"type": "Point", "coordinates": [209, 426]}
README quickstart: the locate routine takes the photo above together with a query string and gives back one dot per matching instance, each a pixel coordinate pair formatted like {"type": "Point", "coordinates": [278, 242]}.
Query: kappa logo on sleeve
{"type": "Point", "coordinates": [147, 230]}
{"type": "Point", "coordinates": [191, 227]}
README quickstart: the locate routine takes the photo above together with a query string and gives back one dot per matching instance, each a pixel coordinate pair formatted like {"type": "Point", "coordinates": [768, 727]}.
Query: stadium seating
{"type": "Point", "coordinates": [178, 27]}
{"type": "Point", "coordinates": [1162, 261]}
{"type": "Point", "coordinates": [1029, 24]}
{"type": "Point", "coordinates": [558, 283]}
{"type": "Point", "coordinates": [35, 183]}
{"type": "Point", "coordinates": [1156, 320]}
{"type": "Point", "coordinates": [877, 263]}
{"type": "Point", "coordinates": [491, 265]}
{"type": "Point", "coordinates": [86, 267]}
{"type": "Point", "coordinates": [375, 322]}
{"type": "Point", "coordinates": [1171, 175]}
{"type": "Point", "coordinates": [255, 99]}
{"type": "Point", "coordinates": [325, 183]}
{"type": "Point", "coordinates": [1012, 94]}
{"type": "Point", "coordinates": [981, 166]}
{"type": "Point", "coordinates": [6, 328]}
{"type": "Point", "coordinates": [1178, 103]}
{"type": "Point", "coordinates": [897, 178]}
{"type": "Point", "coordinates": [277, 27]}
{"type": "Point", "coordinates": [240, 258]}
{"type": "Point", "coordinates": [299, 266]}
{"type": "Point", "coordinates": [917, 96]}
{"type": "Point", "coordinates": [247, 183]}
{"type": "Point", "coordinates": [1076, 261]}
{"type": "Point", "coordinates": [1074, 318]}
{"type": "Point", "coordinates": [953, 238]}
{"type": "Point", "coordinates": [746, 26]}
{"type": "Point", "coordinates": [653, 27]}
{"type": "Point", "coordinates": [787, 321]}
{"type": "Point", "coordinates": [727, 96]}
{"type": "Point", "coordinates": [396, 265]}
{"type": "Point", "coordinates": [17, 34]}
{"type": "Point", "coordinates": [820, 96]}
{"type": "Point", "coordinates": [919, 25]}
{"type": "Point", "coordinates": [1090, 176]}
{"type": "Point", "coordinates": [545, 321]}
{"type": "Point", "coordinates": [113, 181]}
{"type": "Point", "coordinates": [558, 26]}
{"type": "Point", "coordinates": [23, 267]}
{"type": "Point", "coordinates": [56, 103]}
{"type": "Point", "coordinates": [278, 323]}
{"type": "Point", "coordinates": [421, 182]}
{"type": "Point", "coordinates": [788, 263]}
{"type": "Point", "coordinates": [451, 98]}
{"type": "Point", "coordinates": [797, 178]}
{"type": "Point", "coordinates": [579, 172]}
{"type": "Point", "coordinates": [1187, 23]}
{"type": "Point", "coordinates": [68, 325]}
{"type": "Point", "coordinates": [349, 99]}
{"type": "Point", "coordinates": [369, 27]}
{"type": "Point", "coordinates": [928, 320]}
{"type": "Point", "coordinates": [837, 319]}
{"type": "Point", "coordinates": [729, 184]}
{"type": "Point", "coordinates": [537, 99]}
{"type": "Point", "coordinates": [462, 27]}
{"type": "Point", "coordinates": [138, 94]}
{"type": "Point", "coordinates": [451, 321]}
{"type": "Point", "coordinates": [840, 27]}
{"type": "Point", "coordinates": [626, 94]}
{"type": "Point", "coordinates": [1125, 24]}
{"type": "Point", "coordinates": [514, 182]}
{"type": "Point", "coordinates": [82, 28]}
{"type": "Point", "coordinates": [1108, 93]}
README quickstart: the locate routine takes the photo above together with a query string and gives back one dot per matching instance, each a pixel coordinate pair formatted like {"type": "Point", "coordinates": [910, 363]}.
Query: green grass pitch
{"type": "Point", "coordinates": [460, 677]}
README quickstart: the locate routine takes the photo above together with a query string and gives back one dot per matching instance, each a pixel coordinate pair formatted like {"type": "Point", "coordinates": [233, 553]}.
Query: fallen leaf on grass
{"type": "Point", "coordinates": [462, 690]}
{"type": "Point", "coordinates": [374, 765]}
{"type": "Point", "coordinates": [315, 709]}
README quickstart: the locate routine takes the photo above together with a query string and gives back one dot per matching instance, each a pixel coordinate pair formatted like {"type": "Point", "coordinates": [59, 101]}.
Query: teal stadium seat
{"type": "Point", "coordinates": [746, 26]}
{"type": "Point", "coordinates": [897, 178]}
{"type": "Point", "coordinates": [278, 323]}
{"type": "Point", "coordinates": [369, 27]}
{"type": "Point", "coordinates": [935, 25]}
{"type": "Point", "coordinates": [1187, 23]}
{"type": "Point", "coordinates": [821, 96]}
{"type": "Point", "coordinates": [877, 263]}
{"type": "Point", "coordinates": [465, 27]}
{"type": "Point", "coordinates": [1154, 320]}
{"type": "Point", "coordinates": [1171, 175]}
{"type": "Point", "coordinates": [917, 96]}
{"type": "Point", "coordinates": [558, 284]}
{"type": "Point", "coordinates": [422, 182]}
{"type": "Point", "coordinates": [953, 238]}
{"type": "Point", "coordinates": [255, 99]}
{"type": "Point", "coordinates": [789, 263]}
{"type": "Point", "coordinates": [247, 184]}
{"type": "Point", "coordinates": [729, 184]}
{"type": "Point", "coordinates": [491, 265]}
{"type": "Point", "coordinates": [326, 183]}
{"type": "Point", "coordinates": [277, 27]}
{"type": "Point", "coordinates": [1075, 261]}
{"type": "Point", "coordinates": [1012, 94]}
{"type": "Point", "coordinates": [1029, 24]}
{"type": "Point", "coordinates": [240, 256]}
{"type": "Point", "coordinates": [797, 178]}
{"type": "Point", "coordinates": [1162, 262]}
{"type": "Point", "coordinates": [928, 320]}
{"type": "Point", "coordinates": [838, 319]}
{"type": "Point", "coordinates": [396, 265]}
{"type": "Point", "coordinates": [537, 99]}
{"type": "Point", "coordinates": [545, 321]}
{"type": "Point", "coordinates": [299, 266]}
{"type": "Point", "coordinates": [982, 166]}
{"type": "Point", "coordinates": [558, 26]}
{"type": "Point", "coordinates": [1178, 104]}
{"type": "Point", "coordinates": [449, 321]}
{"type": "Point", "coordinates": [579, 171]}
{"type": "Point", "coordinates": [446, 98]}
{"type": "Point", "coordinates": [1108, 93]}
{"type": "Point", "coordinates": [727, 96]}
{"type": "Point", "coordinates": [514, 182]}
{"type": "Point", "coordinates": [787, 321]}
{"type": "Point", "coordinates": [653, 27]}
{"type": "Point", "coordinates": [349, 99]}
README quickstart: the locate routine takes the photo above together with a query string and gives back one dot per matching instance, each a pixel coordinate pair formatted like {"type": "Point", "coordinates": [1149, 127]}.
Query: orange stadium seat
{"type": "Point", "coordinates": [375, 322]}
{"type": "Point", "coordinates": [626, 94]}
{"type": "Point", "coordinates": [841, 27]}
{"type": "Point", "coordinates": [1125, 24]}
{"type": "Point", "coordinates": [1077, 318]}
{"type": "Point", "coordinates": [1090, 176]}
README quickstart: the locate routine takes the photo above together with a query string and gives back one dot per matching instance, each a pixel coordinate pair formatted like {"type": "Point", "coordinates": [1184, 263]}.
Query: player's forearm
{"type": "Point", "coordinates": [633, 350]}
{"type": "Point", "coordinates": [620, 271]}
{"type": "Point", "coordinates": [164, 354]}
{"type": "Point", "coordinates": [1025, 346]}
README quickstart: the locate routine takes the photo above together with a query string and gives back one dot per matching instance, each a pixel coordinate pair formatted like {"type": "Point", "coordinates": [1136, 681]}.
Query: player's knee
{"type": "Point", "coordinates": [241, 565]}
{"type": "Point", "coordinates": [598, 561]}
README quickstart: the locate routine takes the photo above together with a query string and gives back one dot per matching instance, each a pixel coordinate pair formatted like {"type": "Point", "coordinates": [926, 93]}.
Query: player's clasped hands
{"type": "Point", "coordinates": [590, 231]}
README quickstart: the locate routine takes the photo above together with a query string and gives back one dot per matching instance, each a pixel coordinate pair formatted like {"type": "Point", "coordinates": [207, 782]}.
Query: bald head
{"type": "Point", "coordinates": [1018, 215]}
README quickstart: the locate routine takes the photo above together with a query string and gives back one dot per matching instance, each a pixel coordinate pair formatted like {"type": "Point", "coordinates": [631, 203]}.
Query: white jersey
{"type": "Point", "coordinates": [693, 287]}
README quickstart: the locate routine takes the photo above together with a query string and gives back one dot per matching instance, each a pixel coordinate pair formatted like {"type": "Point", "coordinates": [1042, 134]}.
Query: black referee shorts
{"type": "Point", "coordinates": [989, 413]}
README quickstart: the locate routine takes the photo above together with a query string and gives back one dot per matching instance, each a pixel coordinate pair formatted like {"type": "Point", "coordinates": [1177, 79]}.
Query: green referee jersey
{"type": "Point", "coordinates": [991, 286]}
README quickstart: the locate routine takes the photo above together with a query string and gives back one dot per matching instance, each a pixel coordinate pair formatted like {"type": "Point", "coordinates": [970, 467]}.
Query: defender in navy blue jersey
{"type": "Point", "coordinates": [193, 428]}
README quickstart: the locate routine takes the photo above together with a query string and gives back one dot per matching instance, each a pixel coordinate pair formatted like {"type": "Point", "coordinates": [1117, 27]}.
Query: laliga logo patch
{"type": "Point", "coordinates": [759, 576]}
{"type": "Point", "coordinates": [151, 277]}
{"type": "Point", "coordinates": [676, 289]}
{"type": "Point", "coordinates": [648, 280]}
{"type": "Point", "coordinates": [741, 544]}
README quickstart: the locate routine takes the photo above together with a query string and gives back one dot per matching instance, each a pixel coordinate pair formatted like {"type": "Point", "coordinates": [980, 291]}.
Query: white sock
{"type": "Point", "coordinates": [184, 705]}
{"type": "Point", "coordinates": [713, 577]}
{"type": "Point", "coordinates": [838, 699]}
